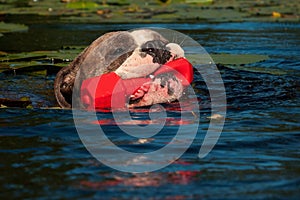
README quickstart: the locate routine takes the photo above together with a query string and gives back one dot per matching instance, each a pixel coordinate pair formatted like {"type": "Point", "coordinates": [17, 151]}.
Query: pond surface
{"type": "Point", "coordinates": [256, 157]}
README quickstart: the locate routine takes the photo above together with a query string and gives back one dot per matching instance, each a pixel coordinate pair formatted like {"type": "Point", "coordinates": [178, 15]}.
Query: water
{"type": "Point", "coordinates": [256, 157]}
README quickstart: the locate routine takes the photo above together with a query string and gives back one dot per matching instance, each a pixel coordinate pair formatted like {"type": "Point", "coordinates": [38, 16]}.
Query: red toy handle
{"type": "Point", "coordinates": [97, 92]}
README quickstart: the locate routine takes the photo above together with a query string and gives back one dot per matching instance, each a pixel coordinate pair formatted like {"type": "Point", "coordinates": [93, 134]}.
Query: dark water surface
{"type": "Point", "coordinates": [256, 157]}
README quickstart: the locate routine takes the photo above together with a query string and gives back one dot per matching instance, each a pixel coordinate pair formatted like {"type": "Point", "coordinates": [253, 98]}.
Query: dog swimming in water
{"type": "Point", "coordinates": [139, 68]}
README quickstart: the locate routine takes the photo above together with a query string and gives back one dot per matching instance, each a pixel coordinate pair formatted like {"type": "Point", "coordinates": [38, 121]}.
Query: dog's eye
{"type": "Point", "coordinates": [151, 46]}
{"type": "Point", "coordinates": [150, 49]}
{"type": "Point", "coordinates": [118, 51]}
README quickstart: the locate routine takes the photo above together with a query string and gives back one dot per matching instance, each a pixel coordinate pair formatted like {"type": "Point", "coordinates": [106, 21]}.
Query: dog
{"type": "Point", "coordinates": [129, 54]}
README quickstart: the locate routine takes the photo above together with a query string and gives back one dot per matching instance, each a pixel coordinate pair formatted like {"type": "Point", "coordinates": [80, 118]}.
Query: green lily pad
{"type": "Point", "coordinates": [38, 62]}
{"type": "Point", "coordinates": [199, 1]}
{"type": "Point", "coordinates": [232, 59]}
{"type": "Point", "coordinates": [82, 5]}
{"type": "Point", "coordinates": [6, 27]}
{"type": "Point", "coordinates": [24, 102]}
{"type": "Point", "coordinates": [258, 69]}
{"type": "Point", "coordinates": [237, 62]}
{"type": "Point", "coordinates": [227, 59]}
{"type": "Point", "coordinates": [33, 70]}
{"type": "Point", "coordinates": [64, 55]}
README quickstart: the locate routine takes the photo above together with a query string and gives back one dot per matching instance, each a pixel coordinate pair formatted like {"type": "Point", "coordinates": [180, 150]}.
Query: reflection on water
{"type": "Point", "coordinates": [257, 155]}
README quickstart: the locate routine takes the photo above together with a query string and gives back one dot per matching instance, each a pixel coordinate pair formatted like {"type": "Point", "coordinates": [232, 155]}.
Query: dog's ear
{"type": "Point", "coordinates": [158, 50]}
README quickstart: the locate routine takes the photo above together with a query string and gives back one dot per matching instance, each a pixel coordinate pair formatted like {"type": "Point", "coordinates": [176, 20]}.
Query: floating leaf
{"type": "Point", "coordinates": [200, 1]}
{"type": "Point", "coordinates": [6, 28]}
{"type": "Point", "coordinates": [260, 70]}
{"type": "Point", "coordinates": [52, 108]}
{"type": "Point", "coordinates": [82, 5]}
{"type": "Point", "coordinates": [238, 62]}
{"type": "Point", "coordinates": [21, 103]}
{"type": "Point", "coordinates": [33, 70]}
{"type": "Point", "coordinates": [25, 98]}
{"type": "Point", "coordinates": [234, 59]}
{"type": "Point", "coordinates": [64, 55]}
{"type": "Point", "coordinates": [38, 62]}
{"type": "Point", "coordinates": [227, 59]}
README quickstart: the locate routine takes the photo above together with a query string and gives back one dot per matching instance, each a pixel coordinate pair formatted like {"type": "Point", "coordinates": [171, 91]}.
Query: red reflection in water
{"type": "Point", "coordinates": [180, 162]}
{"type": "Point", "coordinates": [146, 180]}
{"type": "Point", "coordinates": [187, 107]}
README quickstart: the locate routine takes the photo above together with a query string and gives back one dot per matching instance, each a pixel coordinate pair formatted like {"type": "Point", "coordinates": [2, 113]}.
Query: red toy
{"type": "Point", "coordinates": [97, 92]}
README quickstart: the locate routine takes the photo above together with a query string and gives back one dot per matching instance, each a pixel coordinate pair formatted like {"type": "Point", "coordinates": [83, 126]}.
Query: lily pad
{"type": "Point", "coordinates": [233, 59]}
{"type": "Point", "coordinates": [64, 55]}
{"type": "Point", "coordinates": [82, 5]}
{"type": "Point", "coordinates": [237, 62]}
{"type": "Point", "coordinates": [261, 70]}
{"type": "Point", "coordinates": [38, 62]}
{"type": "Point", "coordinates": [21, 103]}
{"type": "Point", "coordinates": [7, 27]}
{"type": "Point", "coordinates": [33, 70]}
{"type": "Point", "coordinates": [199, 1]}
{"type": "Point", "coordinates": [227, 59]}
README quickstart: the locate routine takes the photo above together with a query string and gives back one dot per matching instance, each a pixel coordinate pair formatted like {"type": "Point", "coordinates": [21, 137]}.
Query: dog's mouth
{"type": "Point", "coordinates": [161, 89]}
